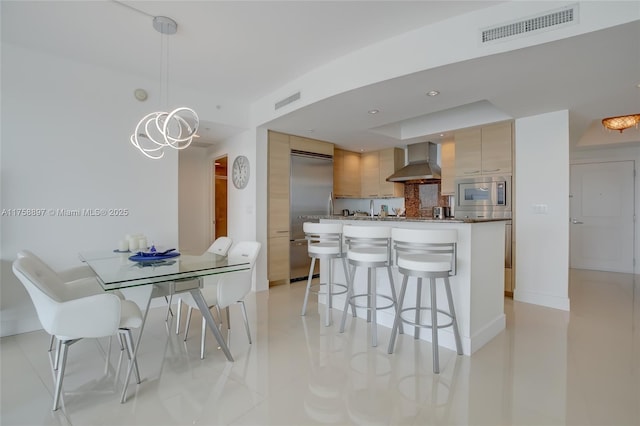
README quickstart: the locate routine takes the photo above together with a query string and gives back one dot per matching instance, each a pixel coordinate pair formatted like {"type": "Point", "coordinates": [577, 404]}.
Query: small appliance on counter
{"type": "Point", "coordinates": [438, 213]}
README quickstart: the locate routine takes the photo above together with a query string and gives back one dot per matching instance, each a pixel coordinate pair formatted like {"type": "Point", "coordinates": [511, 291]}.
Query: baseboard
{"type": "Point", "coordinates": [549, 301]}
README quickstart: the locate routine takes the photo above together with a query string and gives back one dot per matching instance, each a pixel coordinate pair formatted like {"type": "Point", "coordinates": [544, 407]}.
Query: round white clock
{"type": "Point", "coordinates": [240, 172]}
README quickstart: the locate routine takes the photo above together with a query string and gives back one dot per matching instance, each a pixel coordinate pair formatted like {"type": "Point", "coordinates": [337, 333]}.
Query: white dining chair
{"type": "Point", "coordinates": [220, 247]}
{"type": "Point", "coordinates": [227, 289]}
{"type": "Point", "coordinates": [80, 280]}
{"type": "Point", "coordinates": [71, 318]}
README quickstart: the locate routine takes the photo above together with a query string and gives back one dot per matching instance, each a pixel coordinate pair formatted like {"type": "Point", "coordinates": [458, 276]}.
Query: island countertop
{"type": "Point", "coordinates": [404, 219]}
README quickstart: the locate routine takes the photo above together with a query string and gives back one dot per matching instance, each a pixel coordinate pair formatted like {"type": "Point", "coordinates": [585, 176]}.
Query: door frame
{"type": "Point", "coordinates": [213, 216]}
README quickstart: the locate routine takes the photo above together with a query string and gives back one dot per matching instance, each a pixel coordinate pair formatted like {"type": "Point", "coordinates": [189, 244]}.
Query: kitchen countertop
{"type": "Point", "coordinates": [403, 219]}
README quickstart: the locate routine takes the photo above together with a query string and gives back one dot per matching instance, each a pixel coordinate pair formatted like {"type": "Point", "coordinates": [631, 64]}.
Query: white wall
{"type": "Point", "coordinates": [244, 213]}
{"type": "Point", "coordinates": [65, 130]}
{"type": "Point", "coordinates": [195, 173]}
{"type": "Point", "coordinates": [542, 240]}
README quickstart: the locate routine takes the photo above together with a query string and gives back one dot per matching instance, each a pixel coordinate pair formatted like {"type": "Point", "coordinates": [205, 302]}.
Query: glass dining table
{"type": "Point", "coordinates": [163, 276]}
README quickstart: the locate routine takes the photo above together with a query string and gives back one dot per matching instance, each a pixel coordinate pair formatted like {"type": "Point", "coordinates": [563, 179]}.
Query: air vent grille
{"type": "Point", "coordinates": [547, 21]}
{"type": "Point", "coordinates": [287, 101]}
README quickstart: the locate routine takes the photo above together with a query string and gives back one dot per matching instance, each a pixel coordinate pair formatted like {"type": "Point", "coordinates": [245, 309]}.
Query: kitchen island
{"type": "Point", "coordinates": [477, 287]}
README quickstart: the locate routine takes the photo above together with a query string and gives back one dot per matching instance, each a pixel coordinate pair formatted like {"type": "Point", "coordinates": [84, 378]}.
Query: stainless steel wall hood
{"type": "Point", "coordinates": [422, 164]}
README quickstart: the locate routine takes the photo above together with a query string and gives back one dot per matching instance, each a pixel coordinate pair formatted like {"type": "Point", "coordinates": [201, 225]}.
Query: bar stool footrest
{"type": "Point", "coordinates": [316, 289]}
{"type": "Point", "coordinates": [384, 296]}
{"type": "Point", "coordinates": [413, 323]}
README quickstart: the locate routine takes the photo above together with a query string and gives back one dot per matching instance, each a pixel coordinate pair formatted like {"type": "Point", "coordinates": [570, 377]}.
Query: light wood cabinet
{"type": "Point", "coordinates": [279, 265]}
{"type": "Point", "coordinates": [375, 168]}
{"type": "Point", "coordinates": [496, 149]}
{"type": "Point", "coordinates": [484, 151]}
{"type": "Point", "coordinates": [390, 161]}
{"type": "Point", "coordinates": [468, 152]}
{"type": "Point", "coordinates": [346, 173]}
{"type": "Point", "coordinates": [279, 165]}
{"type": "Point", "coordinates": [448, 168]}
{"type": "Point", "coordinates": [370, 174]}
{"type": "Point", "coordinates": [298, 143]}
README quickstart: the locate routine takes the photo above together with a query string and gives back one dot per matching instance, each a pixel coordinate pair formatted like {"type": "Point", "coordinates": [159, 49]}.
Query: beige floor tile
{"type": "Point", "coordinates": [548, 367]}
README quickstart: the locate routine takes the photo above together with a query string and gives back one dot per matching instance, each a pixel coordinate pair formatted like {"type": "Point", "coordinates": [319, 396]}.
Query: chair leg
{"type": "Point", "coordinates": [416, 329]}
{"type": "Point", "coordinates": [347, 300]}
{"type": "Point", "coordinates": [456, 333]}
{"type": "Point", "coordinates": [187, 323]}
{"type": "Point", "coordinates": [178, 315]}
{"type": "Point", "coordinates": [62, 364]}
{"type": "Point", "coordinates": [246, 319]}
{"type": "Point", "coordinates": [374, 308]}
{"type": "Point", "coordinates": [56, 359]}
{"type": "Point", "coordinates": [369, 274]}
{"type": "Point", "coordinates": [329, 296]}
{"type": "Point", "coordinates": [203, 336]}
{"type": "Point", "coordinates": [398, 319]}
{"type": "Point", "coordinates": [434, 327]}
{"type": "Point", "coordinates": [107, 357]}
{"type": "Point", "coordinates": [393, 295]}
{"type": "Point", "coordinates": [346, 277]}
{"type": "Point", "coordinates": [219, 316]}
{"type": "Point", "coordinates": [306, 293]}
{"type": "Point", "coordinates": [52, 338]}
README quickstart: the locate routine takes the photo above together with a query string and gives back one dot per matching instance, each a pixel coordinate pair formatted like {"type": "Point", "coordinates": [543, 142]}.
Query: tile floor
{"type": "Point", "coordinates": [547, 368]}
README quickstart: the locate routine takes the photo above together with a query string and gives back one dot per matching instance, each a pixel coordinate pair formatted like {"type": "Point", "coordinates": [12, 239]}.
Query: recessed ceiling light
{"type": "Point", "coordinates": [374, 111]}
{"type": "Point", "coordinates": [433, 93]}
{"type": "Point", "coordinates": [441, 135]}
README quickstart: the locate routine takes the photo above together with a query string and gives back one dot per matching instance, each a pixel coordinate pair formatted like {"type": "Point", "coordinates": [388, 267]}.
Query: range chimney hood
{"type": "Point", "coordinates": [422, 164]}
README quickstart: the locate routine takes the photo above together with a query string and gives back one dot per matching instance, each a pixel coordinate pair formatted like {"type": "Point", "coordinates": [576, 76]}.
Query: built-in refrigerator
{"type": "Point", "coordinates": [311, 187]}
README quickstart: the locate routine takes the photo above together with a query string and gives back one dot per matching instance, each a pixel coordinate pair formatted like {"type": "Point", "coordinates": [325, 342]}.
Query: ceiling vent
{"type": "Point", "coordinates": [548, 21]}
{"type": "Point", "coordinates": [287, 101]}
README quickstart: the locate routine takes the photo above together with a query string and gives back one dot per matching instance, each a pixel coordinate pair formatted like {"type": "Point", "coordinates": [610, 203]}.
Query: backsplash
{"type": "Point", "coordinates": [419, 199]}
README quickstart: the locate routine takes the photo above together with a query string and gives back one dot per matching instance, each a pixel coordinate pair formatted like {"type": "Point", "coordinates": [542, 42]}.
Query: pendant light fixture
{"type": "Point", "coordinates": [622, 122]}
{"type": "Point", "coordinates": [157, 130]}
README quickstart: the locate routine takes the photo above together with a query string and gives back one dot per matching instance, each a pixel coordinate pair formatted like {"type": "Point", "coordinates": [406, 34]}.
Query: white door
{"type": "Point", "coordinates": [602, 211]}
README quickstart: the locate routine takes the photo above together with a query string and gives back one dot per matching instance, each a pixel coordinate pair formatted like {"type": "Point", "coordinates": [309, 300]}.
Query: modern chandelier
{"type": "Point", "coordinates": [622, 122]}
{"type": "Point", "coordinates": [157, 130]}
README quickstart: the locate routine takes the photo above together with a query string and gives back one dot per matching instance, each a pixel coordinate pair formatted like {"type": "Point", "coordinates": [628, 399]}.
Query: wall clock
{"type": "Point", "coordinates": [240, 172]}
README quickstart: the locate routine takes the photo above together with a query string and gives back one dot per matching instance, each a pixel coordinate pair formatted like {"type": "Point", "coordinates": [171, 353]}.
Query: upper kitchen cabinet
{"type": "Point", "coordinates": [346, 173]}
{"type": "Point", "coordinates": [298, 143]}
{"type": "Point", "coordinates": [376, 167]}
{"type": "Point", "coordinates": [448, 168]}
{"type": "Point", "coordinates": [484, 151]}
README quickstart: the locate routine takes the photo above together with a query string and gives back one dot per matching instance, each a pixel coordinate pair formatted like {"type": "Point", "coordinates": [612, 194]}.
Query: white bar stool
{"type": "Point", "coordinates": [368, 247]}
{"type": "Point", "coordinates": [324, 243]}
{"type": "Point", "coordinates": [426, 253]}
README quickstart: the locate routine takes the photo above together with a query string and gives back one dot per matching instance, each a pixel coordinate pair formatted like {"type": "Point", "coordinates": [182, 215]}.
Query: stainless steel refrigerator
{"type": "Point", "coordinates": [311, 187]}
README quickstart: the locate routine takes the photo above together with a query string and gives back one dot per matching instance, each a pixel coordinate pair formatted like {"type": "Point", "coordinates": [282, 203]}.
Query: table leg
{"type": "Point", "coordinates": [206, 314]}
{"type": "Point", "coordinates": [123, 398]}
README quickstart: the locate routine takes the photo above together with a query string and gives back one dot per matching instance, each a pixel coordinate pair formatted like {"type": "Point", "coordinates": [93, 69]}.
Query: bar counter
{"type": "Point", "coordinates": [477, 287]}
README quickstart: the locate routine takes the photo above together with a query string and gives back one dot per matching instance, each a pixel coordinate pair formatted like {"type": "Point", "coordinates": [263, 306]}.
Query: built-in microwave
{"type": "Point", "coordinates": [483, 197]}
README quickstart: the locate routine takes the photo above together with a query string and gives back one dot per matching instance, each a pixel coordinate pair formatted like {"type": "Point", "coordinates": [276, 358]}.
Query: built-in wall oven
{"type": "Point", "coordinates": [483, 197]}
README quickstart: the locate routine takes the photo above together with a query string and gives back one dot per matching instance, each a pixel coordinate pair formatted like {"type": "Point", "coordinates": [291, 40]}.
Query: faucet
{"type": "Point", "coordinates": [371, 207]}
